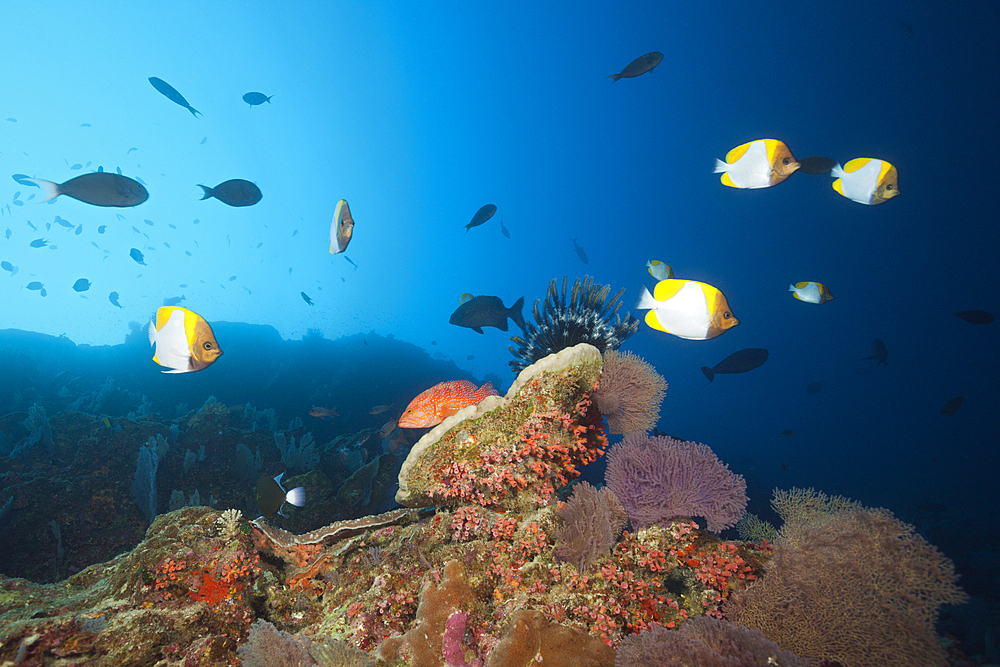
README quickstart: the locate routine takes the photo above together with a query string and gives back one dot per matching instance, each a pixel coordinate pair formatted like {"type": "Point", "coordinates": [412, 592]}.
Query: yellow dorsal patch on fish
{"type": "Point", "coordinates": [734, 155]}
{"type": "Point", "coordinates": [866, 180]}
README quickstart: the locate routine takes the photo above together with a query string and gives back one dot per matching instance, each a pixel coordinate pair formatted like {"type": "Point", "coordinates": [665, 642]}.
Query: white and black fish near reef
{"type": "Point", "coordinates": [234, 192]}
{"type": "Point", "coordinates": [171, 94]}
{"type": "Point", "coordinates": [97, 189]}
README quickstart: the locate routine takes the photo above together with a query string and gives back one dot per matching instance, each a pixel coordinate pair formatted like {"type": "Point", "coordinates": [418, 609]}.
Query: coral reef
{"type": "Point", "coordinates": [586, 318]}
{"type": "Point", "coordinates": [660, 479]}
{"type": "Point", "coordinates": [855, 586]}
{"type": "Point", "coordinates": [592, 522]}
{"type": "Point", "coordinates": [512, 451]}
{"type": "Point", "coordinates": [703, 642]}
{"type": "Point", "coordinates": [630, 393]}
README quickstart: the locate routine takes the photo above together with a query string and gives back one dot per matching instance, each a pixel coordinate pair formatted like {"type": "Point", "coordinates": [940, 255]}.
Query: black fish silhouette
{"type": "Point", "coordinates": [737, 362]}
{"type": "Point", "coordinates": [235, 192]}
{"type": "Point", "coordinates": [639, 66]}
{"type": "Point", "coordinates": [482, 215]}
{"type": "Point", "coordinates": [98, 189]}
{"type": "Point", "coordinates": [253, 99]}
{"type": "Point", "coordinates": [171, 94]}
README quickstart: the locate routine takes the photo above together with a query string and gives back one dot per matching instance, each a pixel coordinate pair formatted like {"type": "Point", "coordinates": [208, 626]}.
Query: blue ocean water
{"type": "Point", "coordinates": [420, 113]}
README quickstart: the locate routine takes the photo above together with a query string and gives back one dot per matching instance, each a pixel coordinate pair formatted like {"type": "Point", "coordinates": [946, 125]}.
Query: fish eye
{"type": "Point", "coordinates": [889, 186]}
{"type": "Point", "coordinates": [727, 314]}
{"type": "Point", "coordinates": [786, 160]}
{"type": "Point", "coordinates": [207, 346]}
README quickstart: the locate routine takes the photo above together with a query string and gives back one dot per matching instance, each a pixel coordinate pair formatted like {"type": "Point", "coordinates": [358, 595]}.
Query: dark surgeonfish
{"type": "Point", "coordinates": [253, 99]}
{"type": "Point", "coordinates": [136, 254]}
{"type": "Point", "coordinates": [737, 362]}
{"type": "Point", "coordinates": [816, 165]}
{"type": "Point", "coordinates": [99, 189]}
{"type": "Point", "coordinates": [487, 311]}
{"type": "Point", "coordinates": [482, 215]}
{"type": "Point", "coordinates": [503, 230]}
{"type": "Point", "coordinates": [578, 249]}
{"type": "Point", "coordinates": [880, 353]}
{"type": "Point", "coordinates": [171, 94]}
{"type": "Point", "coordinates": [639, 66]}
{"type": "Point", "coordinates": [976, 316]}
{"type": "Point", "coordinates": [271, 495]}
{"type": "Point", "coordinates": [952, 406]}
{"type": "Point", "coordinates": [81, 285]}
{"type": "Point", "coordinates": [235, 192]}
{"type": "Point", "coordinates": [305, 297]}
{"type": "Point", "coordinates": [113, 298]}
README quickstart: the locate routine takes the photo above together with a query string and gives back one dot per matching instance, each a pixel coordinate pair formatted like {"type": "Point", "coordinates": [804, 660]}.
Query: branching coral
{"type": "Point", "coordinates": [857, 587]}
{"type": "Point", "coordinates": [585, 318]}
{"type": "Point", "coordinates": [630, 393]}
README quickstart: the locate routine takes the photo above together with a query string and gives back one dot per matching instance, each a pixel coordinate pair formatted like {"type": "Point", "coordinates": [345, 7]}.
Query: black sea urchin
{"type": "Point", "coordinates": [586, 318]}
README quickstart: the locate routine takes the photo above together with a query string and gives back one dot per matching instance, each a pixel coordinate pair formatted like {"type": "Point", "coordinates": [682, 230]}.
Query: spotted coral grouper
{"type": "Point", "coordinates": [434, 405]}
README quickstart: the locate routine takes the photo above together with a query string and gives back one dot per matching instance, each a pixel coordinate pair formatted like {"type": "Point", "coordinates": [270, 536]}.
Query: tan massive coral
{"type": "Point", "coordinates": [512, 451]}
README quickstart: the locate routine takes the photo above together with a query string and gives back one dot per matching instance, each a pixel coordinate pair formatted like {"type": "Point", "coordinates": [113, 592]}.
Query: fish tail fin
{"type": "Point", "coordinates": [152, 332]}
{"type": "Point", "coordinates": [269, 99]}
{"type": "Point", "coordinates": [515, 313]}
{"type": "Point", "coordinates": [613, 77]}
{"type": "Point", "coordinates": [50, 190]}
{"type": "Point", "coordinates": [709, 373]}
{"type": "Point", "coordinates": [837, 171]}
{"type": "Point", "coordinates": [720, 166]}
{"type": "Point", "coordinates": [194, 112]}
{"type": "Point", "coordinates": [296, 496]}
{"type": "Point", "coordinates": [791, 288]}
{"type": "Point", "coordinates": [208, 192]}
{"type": "Point", "coordinates": [646, 300]}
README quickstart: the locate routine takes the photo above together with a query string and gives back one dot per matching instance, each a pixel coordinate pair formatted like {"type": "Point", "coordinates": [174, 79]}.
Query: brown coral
{"type": "Point", "coordinates": [630, 393]}
{"type": "Point", "coordinates": [592, 522]}
{"type": "Point", "coordinates": [857, 587]}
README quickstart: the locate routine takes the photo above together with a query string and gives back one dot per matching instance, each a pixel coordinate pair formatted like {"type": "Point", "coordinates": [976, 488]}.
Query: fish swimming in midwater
{"type": "Point", "coordinates": [184, 340]}
{"type": "Point", "coordinates": [503, 230]}
{"type": "Point", "coordinates": [7, 234]}
{"type": "Point", "coordinates": [305, 297]}
{"type": "Point", "coordinates": [235, 192]}
{"type": "Point", "coordinates": [484, 213]}
{"type": "Point", "coordinates": [487, 311]}
{"type": "Point", "coordinates": [974, 316]}
{"type": "Point", "coordinates": [323, 413]}
{"type": "Point", "coordinates": [379, 409]}
{"type": "Point", "coordinates": [816, 165]}
{"type": "Point", "coordinates": [659, 270]}
{"type": "Point", "coordinates": [97, 189]}
{"type": "Point", "coordinates": [173, 300]}
{"type": "Point", "coordinates": [758, 164]}
{"type": "Point", "coordinates": [271, 495]}
{"type": "Point", "coordinates": [253, 99]}
{"type": "Point", "coordinates": [580, 252]}
{"type": "Point", "coordinates": [815, 387]}
{"type": "Point", "coordinates": [135, 254]}
{"type": "Point", "coordinates": [341, 228]}
{"type": "Point", "coordinates": [113, 298]}
{"type": "Point", "coordinates": [811, 292]}
{"type": "Point", "coordinates": [880, 353]}
{"type": "Point", "coordinates": [7, 266]}
{"type": "Point", "coordinates": [687, 309]}
{"type": "Point", "coordinates": [952, 406]}
{"type": "Point", "coordinates": [639, 66]}
{"type": "Point", "coordinates": [171, 94]}
{"type": "Point", "coordinates": [737, 362]}
{"type": "Point", "coordinates": [81, 285]}
{"type": "Point", "coordinates": [432, 406]}
{"type": "Point", "coordinates": [38, 243]}
{"type": "Point", "coordinates": [35, 285]}
{"type": "Point", "coordinates": [350, 262]}
{"type": "Point", "coordinates": [866, 180]}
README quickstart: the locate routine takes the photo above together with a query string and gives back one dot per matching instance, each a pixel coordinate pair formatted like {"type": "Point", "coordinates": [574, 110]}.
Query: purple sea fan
{"type": "Point", "coordinates": [660, 479]}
